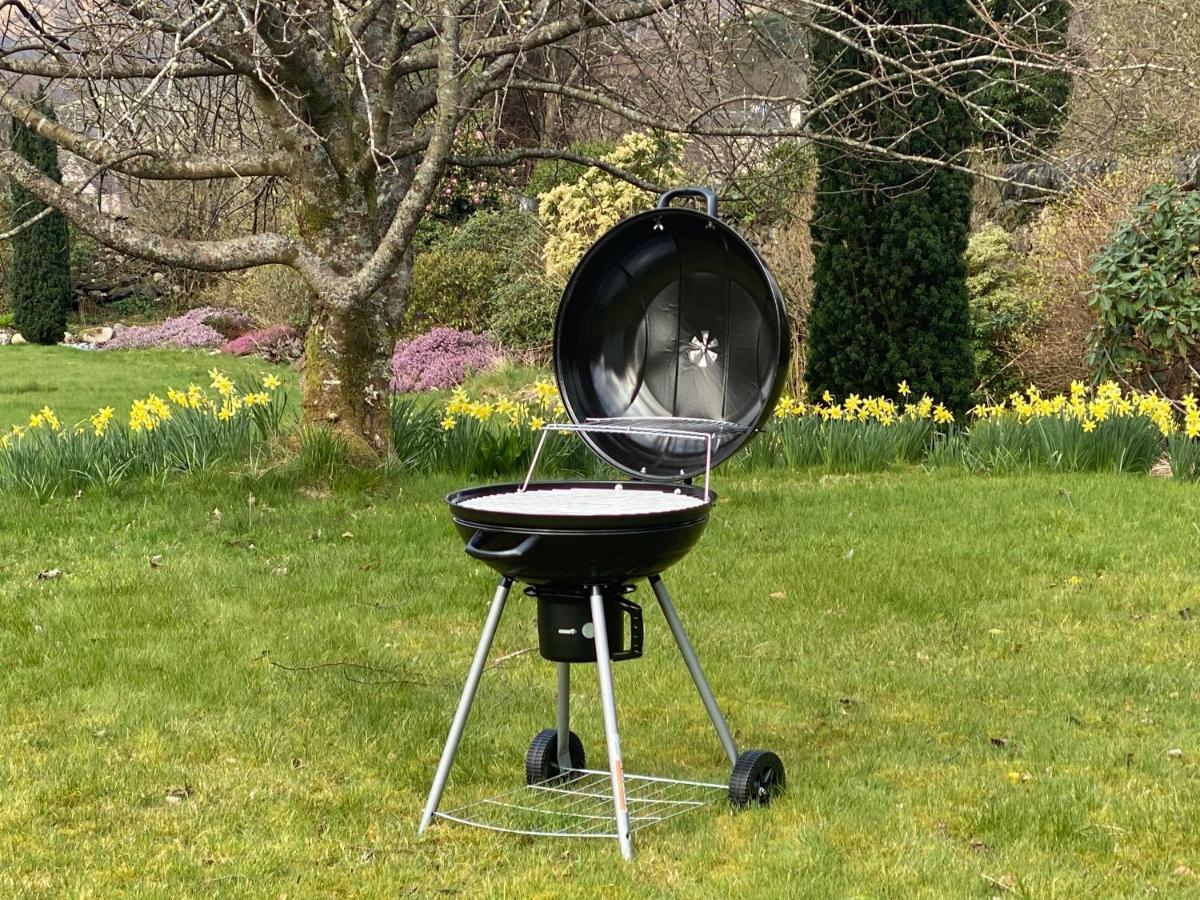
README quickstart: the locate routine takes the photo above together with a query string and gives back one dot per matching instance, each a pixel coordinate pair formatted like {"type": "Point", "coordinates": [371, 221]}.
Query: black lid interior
{"type": "Point", "coordinates": [671, 314]}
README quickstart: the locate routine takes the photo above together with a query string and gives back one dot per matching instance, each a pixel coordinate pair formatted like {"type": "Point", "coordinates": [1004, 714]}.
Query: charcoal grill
{"type": "Point", "coordinates": [670, 348]}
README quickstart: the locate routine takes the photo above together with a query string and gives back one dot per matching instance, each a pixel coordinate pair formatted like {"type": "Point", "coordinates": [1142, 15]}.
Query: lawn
{"type": "Point", "coordinates": [74, 383]}
{"type": "Point", "coordinates": [975, 684]}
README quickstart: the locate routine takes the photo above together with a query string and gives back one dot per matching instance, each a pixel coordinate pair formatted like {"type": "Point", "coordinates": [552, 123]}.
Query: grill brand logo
{"type": "Point", "coordinates": [702, 350]}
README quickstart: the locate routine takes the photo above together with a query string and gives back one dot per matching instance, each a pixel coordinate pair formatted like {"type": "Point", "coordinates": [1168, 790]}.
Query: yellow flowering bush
{"type": "Point", "coordinates": [193, 428]}
{"type": "Point", "coordinates": [575, 214]}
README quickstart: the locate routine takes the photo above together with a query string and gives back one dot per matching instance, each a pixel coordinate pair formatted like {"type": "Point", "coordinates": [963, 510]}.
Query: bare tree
{"type": "Point", "coordinates": [353, 106]}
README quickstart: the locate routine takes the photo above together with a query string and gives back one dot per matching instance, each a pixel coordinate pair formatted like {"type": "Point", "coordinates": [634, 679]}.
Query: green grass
{"type": "Point", "coordinates": [904, 641]}
{"type": "Point", "coordinates": [74, 383]}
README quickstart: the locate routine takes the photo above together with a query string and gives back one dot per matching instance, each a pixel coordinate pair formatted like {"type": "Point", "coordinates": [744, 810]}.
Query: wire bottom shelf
{"type": "Point", "coordinates": [579, 803]}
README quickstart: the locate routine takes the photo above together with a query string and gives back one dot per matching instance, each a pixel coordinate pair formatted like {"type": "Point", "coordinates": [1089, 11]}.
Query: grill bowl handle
{"type": "Point", "coordinates": [710, 197]}
{"type": "Point", "coordinates": [517, 552]}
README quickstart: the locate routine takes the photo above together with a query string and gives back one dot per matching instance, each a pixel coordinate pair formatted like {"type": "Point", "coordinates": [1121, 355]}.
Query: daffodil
{"type": "Point", "coordinates": [448, 423]}
{"type": "Point", "coordinates": [271, 382]}
{"type": "Point", "coordinates": [903, 388]}
{"type": "Point", "coordinates": [220, 382]}
{"type": "Point", "coordinates": [537, 423]}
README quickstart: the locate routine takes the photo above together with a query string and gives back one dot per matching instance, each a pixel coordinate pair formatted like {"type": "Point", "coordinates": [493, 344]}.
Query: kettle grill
{"type": "Point", "coordinates": [671, 345]}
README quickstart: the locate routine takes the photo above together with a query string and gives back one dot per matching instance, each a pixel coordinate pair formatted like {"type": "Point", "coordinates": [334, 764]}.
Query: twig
{"type": "Point", "coordinates": [342, 664]}
{"type": "Point", "coordinates": [508, 656]}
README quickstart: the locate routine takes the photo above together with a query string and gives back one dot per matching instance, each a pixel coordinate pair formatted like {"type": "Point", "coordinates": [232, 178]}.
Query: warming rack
{"type": "Point", "coordinates": [705, 430]}
{"type": "Point", "coordinates": [578, 803]}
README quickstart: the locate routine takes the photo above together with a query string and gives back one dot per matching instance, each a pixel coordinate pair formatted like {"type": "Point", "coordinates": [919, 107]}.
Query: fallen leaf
{"type": "Point", "coordinates": [1175, 753]}
{"type": "Point", "coordinates": [1184, 872]}
{"type": "Point", "coordinates": [347, 535]}
{"type": "Point", "coordinates": [156, 561]}
{"type": "Point", "coordinates": [997, 741]}
{"type": "Point", "coordinates": [979, 847]}
{"type": "Point", "coordinates": [178, 794]}
{"type": "Point", "coordinates": [1185, 613]}
{"type": "Point", "coordinates": [216, 515]}
{"type": "Point", "coordinates": [779, 595]}
{"type": "Point", "coordinates": [47, 574]}
{"type": "Point", "coordinates": [849, 554]}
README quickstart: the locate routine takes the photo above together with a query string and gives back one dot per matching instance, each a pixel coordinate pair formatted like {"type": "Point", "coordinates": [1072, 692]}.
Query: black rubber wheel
{"type": "Point", "coordinates": [541, 760]}
{"type": "Point", "coordinates": [758, 778]}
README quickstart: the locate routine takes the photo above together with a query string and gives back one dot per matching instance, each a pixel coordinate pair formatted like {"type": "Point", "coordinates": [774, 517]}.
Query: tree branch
{"type": "Point", "coordinates": [239, 164]}
{"type": "Point", "coordinates": [207, 256]}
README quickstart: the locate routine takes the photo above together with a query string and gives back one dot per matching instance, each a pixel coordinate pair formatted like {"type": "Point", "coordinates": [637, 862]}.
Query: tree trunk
{"type": "Point", "coordinates": [347, 373]}
{"type": "Point", "coordinates": [348, 351]}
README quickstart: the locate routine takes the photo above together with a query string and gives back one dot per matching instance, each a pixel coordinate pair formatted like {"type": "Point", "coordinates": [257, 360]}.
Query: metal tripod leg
{"type": "Point", "coordinates": [464, 703]}
{"type": "Point", "coordinates": [693, 664]}
{"type": "Point", "coordinates": [563, 717]}
{"type": "Point", "coordinates": [608, 704]}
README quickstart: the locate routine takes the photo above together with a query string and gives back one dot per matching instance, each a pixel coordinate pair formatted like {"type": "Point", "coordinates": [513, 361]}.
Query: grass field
{"type": "Point", "coordinates": [975, 684]}
{"type": "Point", "coordinates": [74, 383]}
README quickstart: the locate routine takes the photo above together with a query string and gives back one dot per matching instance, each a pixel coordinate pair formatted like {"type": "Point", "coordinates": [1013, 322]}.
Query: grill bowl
{"type": "Point", "coordinates": [543, 547]}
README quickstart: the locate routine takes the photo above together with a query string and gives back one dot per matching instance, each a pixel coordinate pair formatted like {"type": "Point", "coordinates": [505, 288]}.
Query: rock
{"type": "Point", "coordinates": [68, 338]}
{"type": "Point", "coordinates": [5, 337]}
{"type": "Point", "coordinates": [18, 339]}
{"type": "Point", "coordinates": [95, 335]}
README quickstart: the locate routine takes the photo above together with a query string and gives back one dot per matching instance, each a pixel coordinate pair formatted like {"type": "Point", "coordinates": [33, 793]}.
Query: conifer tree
{"type": "Point", "coordinates": [39, 276]}
{"type": "Point", "coordinates": [889, 281]}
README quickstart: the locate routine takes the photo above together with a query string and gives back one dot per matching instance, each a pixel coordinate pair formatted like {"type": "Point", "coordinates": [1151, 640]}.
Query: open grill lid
{"type": "Point", "coordinates": [671, 320]}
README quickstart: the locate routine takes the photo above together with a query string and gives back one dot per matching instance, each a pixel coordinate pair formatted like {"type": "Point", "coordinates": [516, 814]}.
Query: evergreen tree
{"type": "Point", "coordinates": [1029, 103]}
{"type": "Point", "coordinates": [39, 276]}
{"type": "Point", "coordinates": [889, 291]}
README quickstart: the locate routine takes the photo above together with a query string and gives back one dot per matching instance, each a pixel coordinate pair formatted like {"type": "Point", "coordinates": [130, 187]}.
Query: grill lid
{"type": "Point", "coordinates": [671, 315]}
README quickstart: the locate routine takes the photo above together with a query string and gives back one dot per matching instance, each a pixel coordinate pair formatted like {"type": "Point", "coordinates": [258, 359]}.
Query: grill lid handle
{"type": "Point", "coordinates": [710, 197]}
{"type": "Point", "coordinates": [474, 550]}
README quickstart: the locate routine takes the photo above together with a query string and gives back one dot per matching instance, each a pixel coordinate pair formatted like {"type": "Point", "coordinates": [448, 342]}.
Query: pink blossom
{"type": "Point", "coordinates": [441, 358]}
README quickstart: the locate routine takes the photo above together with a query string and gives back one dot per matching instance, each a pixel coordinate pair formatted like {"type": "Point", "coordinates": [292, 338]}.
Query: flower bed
{"type": "Point", "coordinates": [205, 326]}
{"type": "Point", "coordinates": [192, 429]}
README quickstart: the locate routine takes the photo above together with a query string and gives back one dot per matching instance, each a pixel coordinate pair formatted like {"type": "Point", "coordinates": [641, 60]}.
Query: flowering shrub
{"type": "Point", "coordinates": [206, 326]}
{"type": "Point", "coordinates": [261, 340]}
{"type": "Point", "coordinates": [439, 359]}
{"type": "Point", "coordinates": [574, 214]}
{"type": "Point", "coordinates": [191, 429]}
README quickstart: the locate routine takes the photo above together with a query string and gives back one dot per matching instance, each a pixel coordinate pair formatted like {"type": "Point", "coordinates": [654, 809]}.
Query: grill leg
{"type": "Point", "coordinates": [563, 718]}
{"type": "Point", "coordinates": [608, 703]}
{"type": "Point", "coordinates": [464, 703]}
{"type": "Point", "coordinates": [693, 664]}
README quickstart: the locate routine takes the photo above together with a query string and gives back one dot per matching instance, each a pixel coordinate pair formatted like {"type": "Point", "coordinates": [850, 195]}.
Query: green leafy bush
{"type": "Point", "coordinates": [1146, 289]}
{"type": "Point", "coordinates": [1004, 307]}
{"type": "Point", "coordinates": [485, 275]}
{"type": "Point", "coordinates": [39, 275]}
{"type": "Point", "coordinates": [450, 288]}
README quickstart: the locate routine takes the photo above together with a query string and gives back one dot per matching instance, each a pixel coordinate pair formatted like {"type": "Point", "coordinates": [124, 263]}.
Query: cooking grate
{"type": "Point", "coordinates": [583, 502]}
{"type": "Point", "coordinates": [580, 804]}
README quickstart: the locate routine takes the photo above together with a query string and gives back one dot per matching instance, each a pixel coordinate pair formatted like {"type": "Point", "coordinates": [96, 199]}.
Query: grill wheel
{"type": "Point", "coordinates": [758, 778]}
{"type": "Point", "coordinates": [541, 760]}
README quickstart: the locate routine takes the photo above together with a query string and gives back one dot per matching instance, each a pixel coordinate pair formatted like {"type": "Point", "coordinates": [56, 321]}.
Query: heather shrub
{"type": "Point", "coordinates": [261, 339]}
{"type": "Point", "coordinates": [439, 359]}
{"type": "Point", "coordinates": [202, 327]}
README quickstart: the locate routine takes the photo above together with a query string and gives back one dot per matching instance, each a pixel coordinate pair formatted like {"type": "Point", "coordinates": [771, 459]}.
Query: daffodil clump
{"type": "Point", "coordinates": [1090, 408]}
{"type": "Point", "coordinates": [192, 428]}
{"type": "Point", "coordinates": [854, 408]}
{"type": "Point", "coordinates": [487, 435]}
